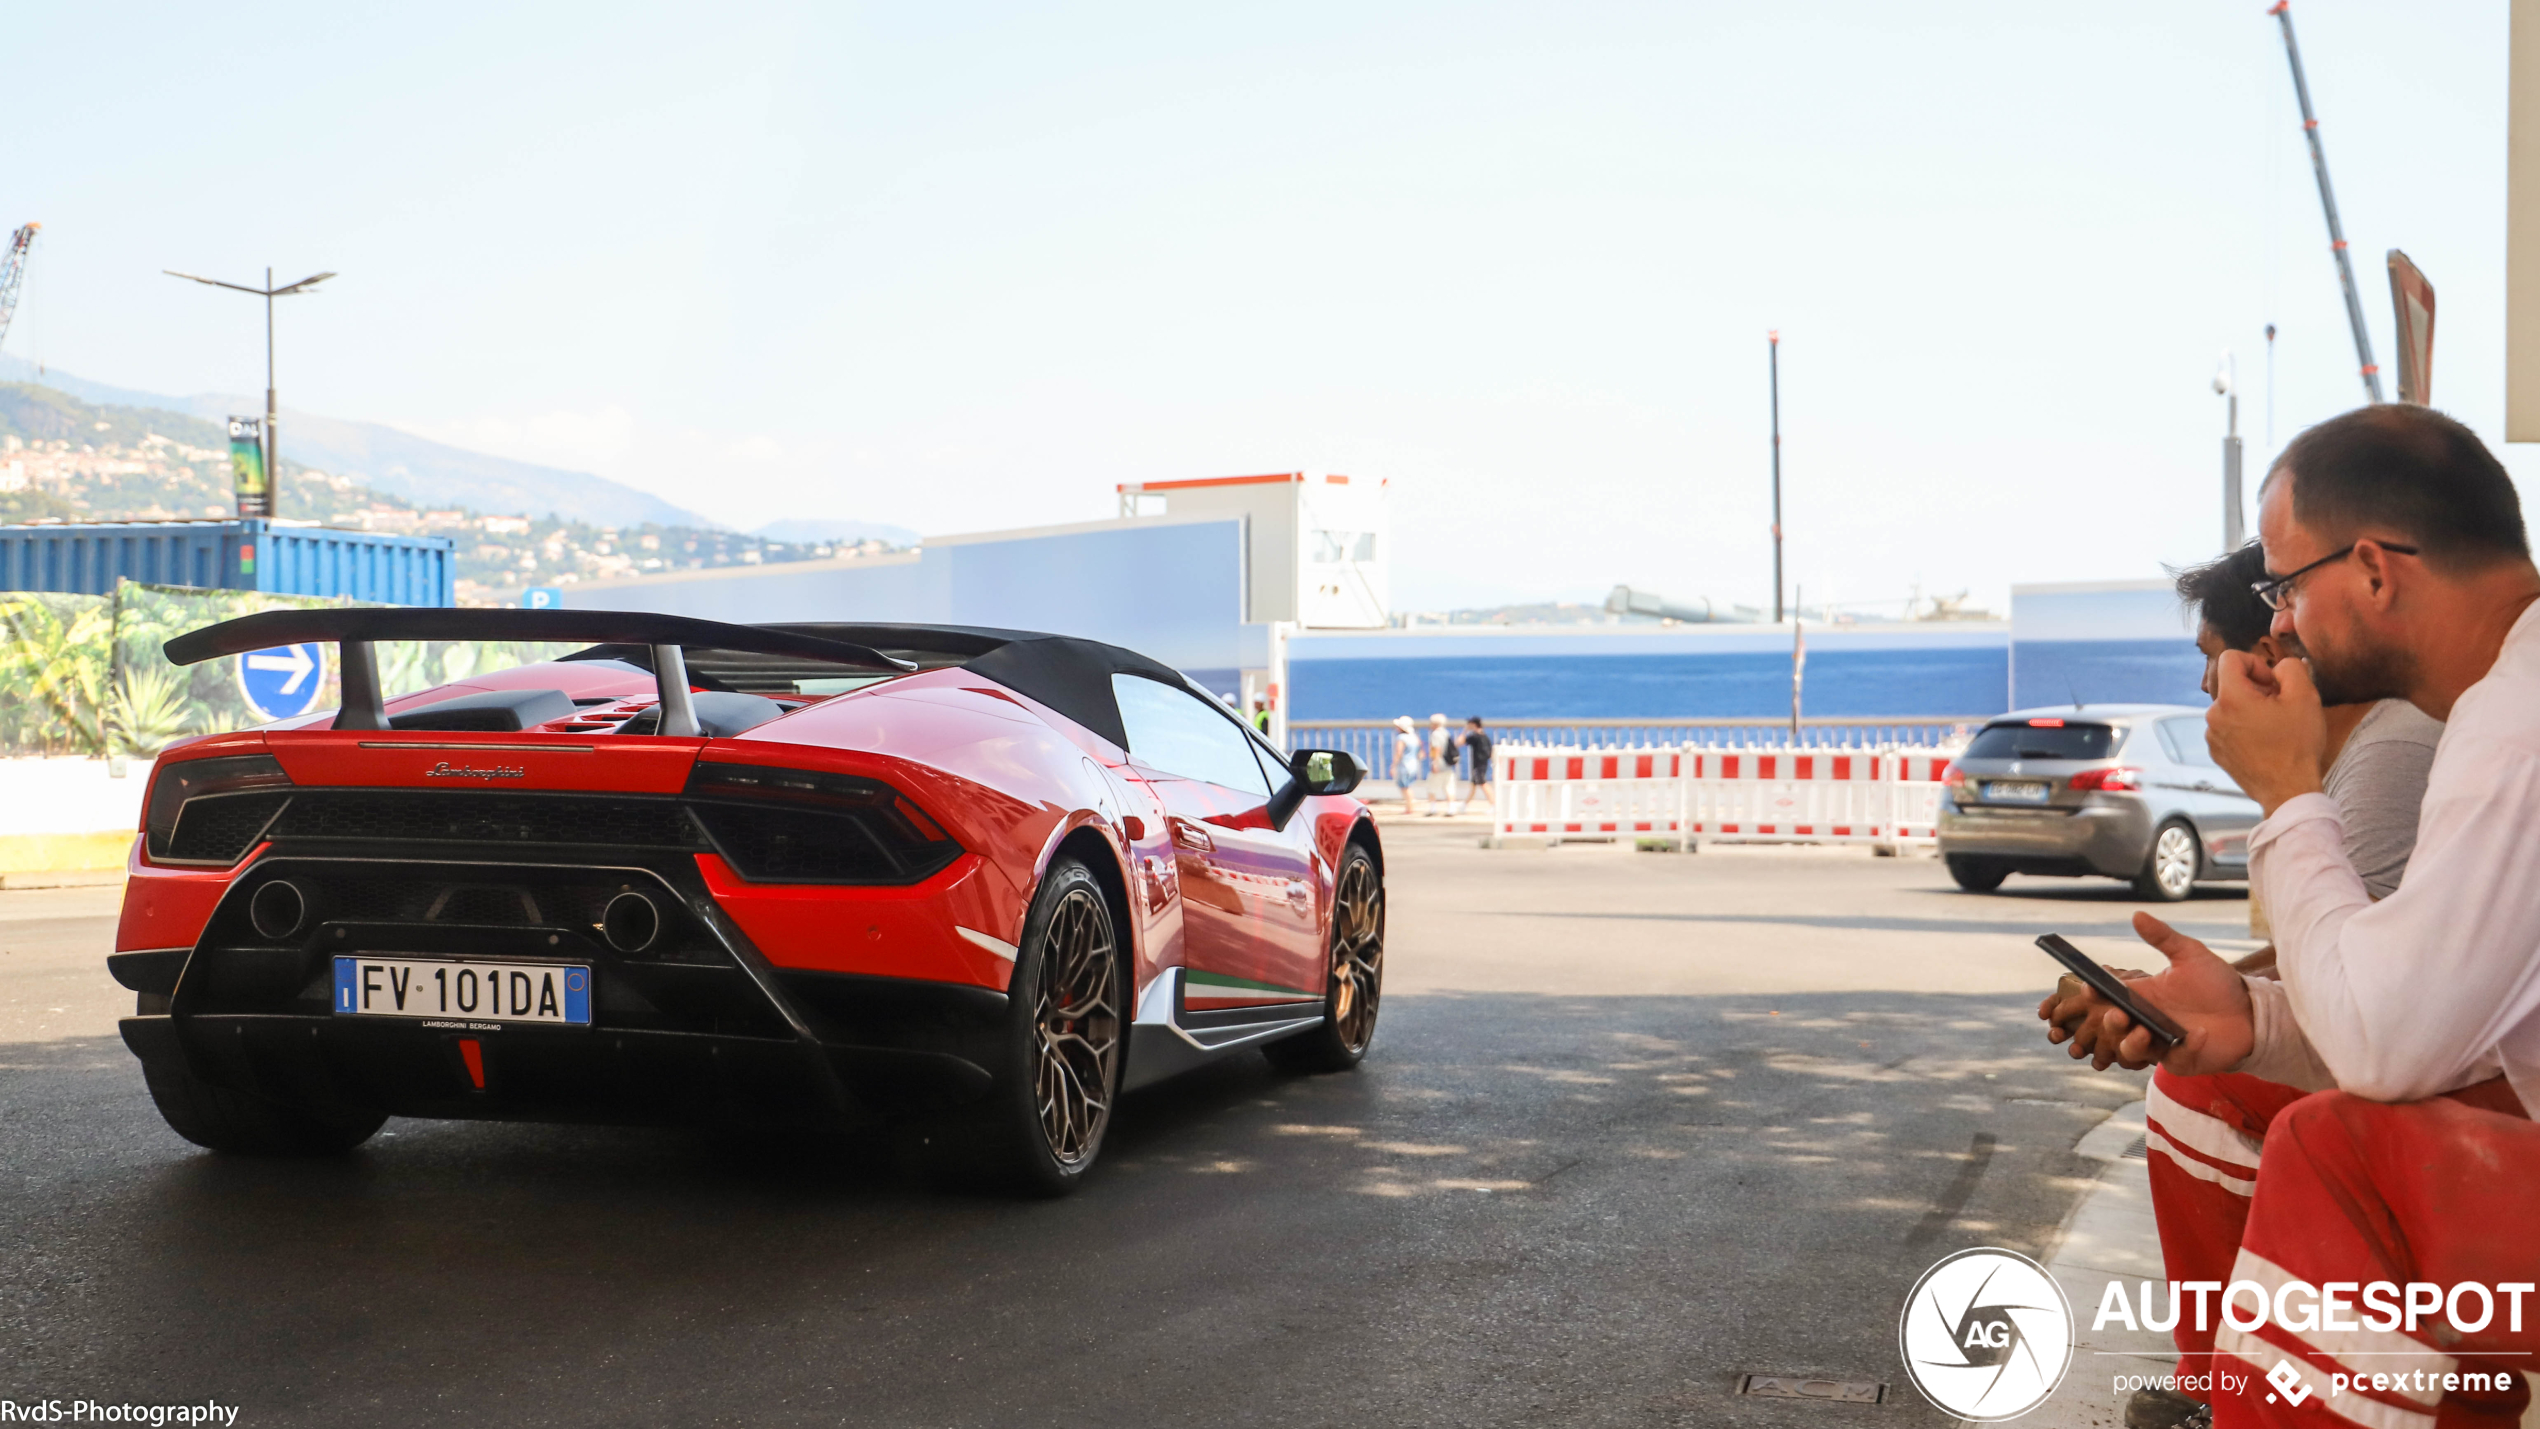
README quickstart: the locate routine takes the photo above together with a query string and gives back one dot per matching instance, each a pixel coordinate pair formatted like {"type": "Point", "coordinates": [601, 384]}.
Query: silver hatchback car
{"type": "Point", "coordinates": [2119, 791]}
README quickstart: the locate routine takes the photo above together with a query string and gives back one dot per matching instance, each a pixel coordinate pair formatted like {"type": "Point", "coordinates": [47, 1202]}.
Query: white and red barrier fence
{"type": "Point", "coordinates": [1887, 797]}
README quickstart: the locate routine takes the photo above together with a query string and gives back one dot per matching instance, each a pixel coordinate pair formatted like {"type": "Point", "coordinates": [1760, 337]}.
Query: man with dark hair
{"type": "Point", "coordinates": [2378, 751]}
{"type": "Point", "coordinates": [2205, 1134]}
{"type": "Point", "coordinates": [2396, 553]}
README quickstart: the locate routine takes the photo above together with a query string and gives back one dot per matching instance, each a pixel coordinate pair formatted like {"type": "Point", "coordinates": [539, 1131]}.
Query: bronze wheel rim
{"type": "Point", "coordinates": [1358, 954]}
{"type": "Point", "coordinates": [1076, 1028]}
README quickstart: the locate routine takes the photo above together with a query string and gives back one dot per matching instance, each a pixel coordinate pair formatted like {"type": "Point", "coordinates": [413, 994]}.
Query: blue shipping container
{"type": "Point", "coordinates": [284, 558]}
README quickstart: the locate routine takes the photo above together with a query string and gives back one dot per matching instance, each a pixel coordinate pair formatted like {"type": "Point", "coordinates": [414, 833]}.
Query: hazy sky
{"type": "Point", "coordinates": [967, 267]}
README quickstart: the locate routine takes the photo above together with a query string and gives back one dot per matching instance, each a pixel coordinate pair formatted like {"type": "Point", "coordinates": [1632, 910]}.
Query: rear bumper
{"type": "Point", "coordinates": [923, 1048]}
{"type": "Point", "coordinates": [705, 1025]}
{"type": "Point", "coordinates": [2104, 838]}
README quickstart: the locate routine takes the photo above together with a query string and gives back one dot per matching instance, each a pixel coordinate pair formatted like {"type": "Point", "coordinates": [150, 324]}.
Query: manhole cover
{"type": "Point", "coordinates": [1832, 1391]}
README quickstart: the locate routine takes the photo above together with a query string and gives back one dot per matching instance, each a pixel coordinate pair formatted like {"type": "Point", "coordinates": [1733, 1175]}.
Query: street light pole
{"type": "Point", "coordinates": [272, 441]}
{"type": "Point", "coordinates": [1775, 340]}
{"type": "Point", "coordinates": [2230, 391]}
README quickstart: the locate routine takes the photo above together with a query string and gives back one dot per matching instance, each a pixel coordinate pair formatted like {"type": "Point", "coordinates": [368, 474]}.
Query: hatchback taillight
{"type": "Point", "coordinates": [209, 812]}
{"type": "Point", "coordinates": [2113, 781]}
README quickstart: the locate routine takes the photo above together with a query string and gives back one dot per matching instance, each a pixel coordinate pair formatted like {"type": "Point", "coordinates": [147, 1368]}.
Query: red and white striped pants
{"type": "Point", "coordinates": [2350, 1192]}
{"type": "Point", "coordinates": [2203, 1147]}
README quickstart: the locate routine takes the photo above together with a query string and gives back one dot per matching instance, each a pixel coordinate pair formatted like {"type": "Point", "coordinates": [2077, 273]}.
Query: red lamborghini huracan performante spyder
{"type": "Point", "coordinates": [973, 882]}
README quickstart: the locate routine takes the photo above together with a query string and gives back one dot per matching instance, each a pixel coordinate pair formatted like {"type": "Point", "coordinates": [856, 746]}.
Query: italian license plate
{"type": "Point", "coordinates": [2017, 791]}
{"type": "Point", "coordinates": [369, 986]}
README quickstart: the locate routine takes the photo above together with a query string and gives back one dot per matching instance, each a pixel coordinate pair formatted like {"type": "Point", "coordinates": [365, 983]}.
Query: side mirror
{"type": "Point", "coordinates": [1311, 772]}
{"type": "Point", "coordinates": [1326, 771]}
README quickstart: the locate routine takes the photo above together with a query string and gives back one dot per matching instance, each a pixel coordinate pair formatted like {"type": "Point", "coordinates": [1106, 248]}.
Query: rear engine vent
{"type": "Point", "coordinates": [500, 711]}
{"type": "Point", "coordinates": [799, 826]}
{"type": "Point", "coordinates": [487, 818]}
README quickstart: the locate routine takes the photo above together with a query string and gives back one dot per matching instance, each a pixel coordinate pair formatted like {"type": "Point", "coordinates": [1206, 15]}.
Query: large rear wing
{"type": "Point", "coordinates": [354, 632]}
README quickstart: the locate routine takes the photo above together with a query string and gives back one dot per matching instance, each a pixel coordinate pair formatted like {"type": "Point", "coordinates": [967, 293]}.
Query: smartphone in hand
{"type": "Point", "coordinates": [2165, 1033]}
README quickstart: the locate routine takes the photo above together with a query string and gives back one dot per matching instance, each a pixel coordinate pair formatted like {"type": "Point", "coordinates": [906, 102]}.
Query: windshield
{"type": "Point", "coordinates": [2043, 739]}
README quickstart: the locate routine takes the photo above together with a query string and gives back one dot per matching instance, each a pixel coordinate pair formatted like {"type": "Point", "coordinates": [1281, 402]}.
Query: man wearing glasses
{"type": "Point", "coordinates": [2399, 558]}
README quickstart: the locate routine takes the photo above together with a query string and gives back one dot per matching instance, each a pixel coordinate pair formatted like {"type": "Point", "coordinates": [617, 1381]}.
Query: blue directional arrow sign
{"type": "Point", "coordinates": [283, 682]}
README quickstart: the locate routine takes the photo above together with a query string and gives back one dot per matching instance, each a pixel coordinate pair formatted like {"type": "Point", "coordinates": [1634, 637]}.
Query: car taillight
{"type": "Point", "coordinates": [810, 826]}
{"type": "Point", "coordinates": [1952, 777]}
{"type": "Point", "coordinates": [209, 812]}
{"type": "Point", "coordinates": [2109, 780]}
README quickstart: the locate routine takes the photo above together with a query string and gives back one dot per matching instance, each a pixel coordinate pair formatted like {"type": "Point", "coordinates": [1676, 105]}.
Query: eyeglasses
{"type": "Point", "coordinates": [2274, 591]}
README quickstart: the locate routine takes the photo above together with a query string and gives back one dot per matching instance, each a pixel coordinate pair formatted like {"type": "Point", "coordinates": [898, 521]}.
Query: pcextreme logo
{"type": "Point", "coordinates": [1986, 1334]}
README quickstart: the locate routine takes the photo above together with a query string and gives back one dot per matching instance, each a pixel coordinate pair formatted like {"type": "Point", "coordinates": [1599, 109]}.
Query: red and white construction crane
{"type": "Point", "coordinates": [2283, 12]}
{"type": "Point", "coordinates": [13, 273]}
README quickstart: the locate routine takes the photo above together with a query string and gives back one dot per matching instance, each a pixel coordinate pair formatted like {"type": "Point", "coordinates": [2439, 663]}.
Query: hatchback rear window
{"type": "Point", "coordinates": [2043, 740]}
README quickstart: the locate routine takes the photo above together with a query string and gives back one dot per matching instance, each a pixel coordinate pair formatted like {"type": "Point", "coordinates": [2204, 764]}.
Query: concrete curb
{"type": "Point", "coordinates": [2110, 1236]}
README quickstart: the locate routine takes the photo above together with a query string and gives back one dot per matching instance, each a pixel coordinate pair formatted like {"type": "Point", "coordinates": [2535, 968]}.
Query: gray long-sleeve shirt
{"type": "Point", "coordinates": [2378, 782]}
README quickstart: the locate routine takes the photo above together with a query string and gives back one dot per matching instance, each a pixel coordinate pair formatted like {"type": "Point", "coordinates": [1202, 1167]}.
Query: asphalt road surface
{"type": "Point", "coordinates": [1635, 1126]}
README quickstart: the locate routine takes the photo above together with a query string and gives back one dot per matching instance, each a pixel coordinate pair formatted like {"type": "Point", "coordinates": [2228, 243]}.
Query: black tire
{"type": "Point", "coordinates": [1040, 1129]}
{"type": "Point", "coordinates": [1353, 974]}
{"type": "Point", "coordinates": [1976, 875]}
{"type": "Point", "coordinates": [243, 1124]}
{"type": "Point", "coordinates": [2171, 866]}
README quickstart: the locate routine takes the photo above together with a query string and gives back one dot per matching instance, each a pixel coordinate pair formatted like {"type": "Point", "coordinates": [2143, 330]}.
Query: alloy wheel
{"type": "Point", "coordinates": [1076, 1019]}
{"type": "Point", "coordinates": [1358, 954]}
{"type": "Point", "coordinates": [2174, 860]}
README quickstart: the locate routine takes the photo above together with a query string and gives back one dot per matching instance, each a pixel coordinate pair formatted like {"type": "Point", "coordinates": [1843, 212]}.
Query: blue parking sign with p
{"type": "Point", "coordinates": [542, 597]}
{"type": "Point", "coordinates": [283, 682]}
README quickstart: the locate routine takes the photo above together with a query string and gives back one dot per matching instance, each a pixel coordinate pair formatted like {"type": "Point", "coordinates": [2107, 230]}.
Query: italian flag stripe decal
{"type": "Point", "coordinates": [1203, 990]}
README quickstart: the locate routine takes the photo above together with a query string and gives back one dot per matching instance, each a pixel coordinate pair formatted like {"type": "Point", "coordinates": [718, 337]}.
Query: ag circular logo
{"type": "Point", "coordinates": [1986, 1334]}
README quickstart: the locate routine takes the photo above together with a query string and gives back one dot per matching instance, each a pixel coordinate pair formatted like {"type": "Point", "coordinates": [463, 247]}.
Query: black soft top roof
{"type": "Point", "coordinates": [1070, 675]}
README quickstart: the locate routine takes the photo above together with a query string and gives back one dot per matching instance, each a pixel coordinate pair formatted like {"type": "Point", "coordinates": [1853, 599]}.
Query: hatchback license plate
{"type": "Point", "coordinates": [2017, 791]}
{"type": "Point", "coordinates": [369, 986]}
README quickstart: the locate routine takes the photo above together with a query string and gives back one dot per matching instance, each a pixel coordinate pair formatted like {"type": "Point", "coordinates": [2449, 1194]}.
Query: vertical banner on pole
{"type": "Point", "coordinates": [2412, 304]}
{"type": "Point", "coordinates": [247, 466]}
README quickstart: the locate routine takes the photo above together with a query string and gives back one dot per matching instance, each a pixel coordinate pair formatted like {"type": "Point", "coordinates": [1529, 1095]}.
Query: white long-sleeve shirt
{"type": "Point", "coordinates": [2438, 985]}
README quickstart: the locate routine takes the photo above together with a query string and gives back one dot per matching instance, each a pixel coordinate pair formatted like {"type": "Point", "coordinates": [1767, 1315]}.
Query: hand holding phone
{"type": "Point", "coordinates": [2164, 1032]}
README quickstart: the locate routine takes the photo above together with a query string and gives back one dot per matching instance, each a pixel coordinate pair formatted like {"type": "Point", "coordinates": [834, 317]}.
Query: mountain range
{"type": "Point", "coordinates": [430, 473]}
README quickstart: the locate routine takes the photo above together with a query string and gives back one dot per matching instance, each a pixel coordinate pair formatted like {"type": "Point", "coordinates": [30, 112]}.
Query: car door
{"type": "Point", "coordinates": [2224, 815]}
{"type": "Point", "coordinates": [1248, 905]}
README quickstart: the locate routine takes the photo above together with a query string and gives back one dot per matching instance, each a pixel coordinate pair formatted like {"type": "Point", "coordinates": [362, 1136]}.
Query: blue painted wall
{"type": "Point", "coordinates": [2056, 672]}
{"type": "Point", "coordinates": [1945, 680]}
{"type": "Point", "coordinates": [2105, 642]}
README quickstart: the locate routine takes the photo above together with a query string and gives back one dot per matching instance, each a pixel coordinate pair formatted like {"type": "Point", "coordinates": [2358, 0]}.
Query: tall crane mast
{"type": "Point", "coordinates": [13, 272]}
{"type": "Point", "coordinates": [2283, 12]}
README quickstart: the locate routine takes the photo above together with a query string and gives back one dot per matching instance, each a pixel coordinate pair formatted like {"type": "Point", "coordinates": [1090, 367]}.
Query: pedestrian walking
{"type": "Point", "coordinates": [1441, 762]}
{"type": "Point", "coordinates": [1477, 768]}
{"type": "Point", "coordinates": [1408, 750]}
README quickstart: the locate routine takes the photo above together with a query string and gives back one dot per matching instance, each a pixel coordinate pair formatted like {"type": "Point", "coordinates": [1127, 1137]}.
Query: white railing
{"type": "Point", "coordinates": [1887, 797]}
